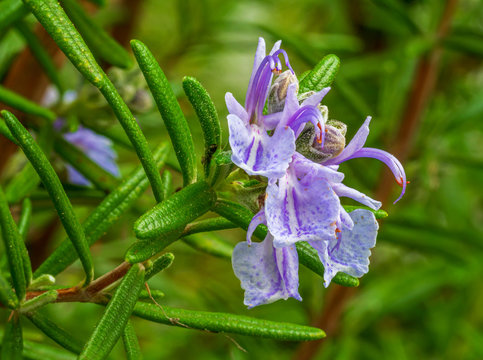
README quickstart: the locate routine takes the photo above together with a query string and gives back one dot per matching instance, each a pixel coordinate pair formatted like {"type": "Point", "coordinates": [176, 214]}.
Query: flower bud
{"type": "Point", "coordinates": [278, 91]}
{"type": "Point", "coordinates": [334, 141]}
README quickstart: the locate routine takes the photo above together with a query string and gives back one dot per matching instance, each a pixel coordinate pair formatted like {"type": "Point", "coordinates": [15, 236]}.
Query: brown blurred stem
{"type": "Point", "coordinates": [423, 84]}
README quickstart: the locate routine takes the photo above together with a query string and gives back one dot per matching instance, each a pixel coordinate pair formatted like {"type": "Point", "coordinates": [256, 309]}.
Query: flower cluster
{"type": "Point", "coordinates": [298, 150]}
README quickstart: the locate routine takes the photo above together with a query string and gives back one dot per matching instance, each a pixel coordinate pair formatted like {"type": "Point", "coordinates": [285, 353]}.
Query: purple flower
{"type": "Point", "coordinates": [253, 148]}
{"type": "Point", "coordinates": [268, 273]}
{"type": "Point", "coordinates": [98, 148]}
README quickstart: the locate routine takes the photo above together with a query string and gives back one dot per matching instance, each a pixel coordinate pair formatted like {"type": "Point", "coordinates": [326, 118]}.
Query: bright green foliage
{"type": "Point", "coordinates": [13, 243]}
{"type": "Point", "coordinates": [173, 117]}
{"type": "Point", "coordinates": [18, 102]}
{"type": "Point", "coordinates": [207, 115]}
{"type": "Point", "coordinates": [101, 44]}
{"type": "Point", "coordinates": [8, 297]}
{"type": "Point", "coordinates": [157, 265]}
{"type": "Point", "coordinates": [54, 187]}
{"type": "Point", "coordinates": [322, 75]}
{"type": "Point", "coordinates": [118, 310]}
{"type": "Point", "coordinates": [53, 331]}
{"type": "Point", "coordinates": [104, 216]}
{"type": "Point", "coordinates": [176, 212]}
{"type": "Point", "coordinates": [131, 343]}
{"type": "Point", "coordinates": [229, 323]}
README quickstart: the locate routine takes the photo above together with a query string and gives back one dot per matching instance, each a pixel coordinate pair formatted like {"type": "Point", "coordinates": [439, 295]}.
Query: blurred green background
{"type": "Point", "coordinates": [415, 66]}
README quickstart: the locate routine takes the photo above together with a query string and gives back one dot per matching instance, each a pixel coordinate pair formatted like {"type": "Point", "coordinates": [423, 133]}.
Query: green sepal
{"type": "Point", "coordinates": [110, 327]}
{"type": "Point", "coordinates": [176, 212]}
{"type": "Point", "coordinates": [104, 216]}
{"type": "Point", "coordinates": [39, 301]}
{"type": "Point", "coordinates": [226, 323]}
{"type": "Point", "coordinates": [321, 76]}
{"type": "Point", "coordinates": [168, 106]}
{"type": "Point", "coordinates": [223, 158]}
{"type": "Point", "coordinates": [12, 343]}
{"type": "Point", "coordinates": [53, 331]}
{"type": "Point", "coordinates": [99, 41]}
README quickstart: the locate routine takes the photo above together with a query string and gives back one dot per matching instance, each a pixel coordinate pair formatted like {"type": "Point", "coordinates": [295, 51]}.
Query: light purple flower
{"type": "Point", "coordinates": [268, 273]}
{"type": "Point", "coordinates": [355, 149]}
{"type": "Point", "coordinates": [253, 148]}
{"type": "Point", "coordinates": [98, 148]}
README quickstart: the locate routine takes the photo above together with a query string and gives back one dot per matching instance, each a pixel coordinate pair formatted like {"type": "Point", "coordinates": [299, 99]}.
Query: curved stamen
{"type": "Point", "coordinates": [308, 114]}
{"type": "Point", "coordinates": [284, 53]}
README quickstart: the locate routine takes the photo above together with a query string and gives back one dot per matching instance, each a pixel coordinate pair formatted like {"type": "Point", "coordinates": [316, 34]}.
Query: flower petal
{"type": "Point", "coordinates": [235, 108]}
{"type": "Point", "coordinates": [390, 160]}
{"type": "Point", "coordinates": [315, 99]}
{"type": "Point", "coordinates": [266, 274]}
{"type": "Point", "coordinates": [355, 144]}
{"type": "Point", "coordinates": [304, 166]}
{"type": "Point", "coordinates": [256, 152]}
{"type": "Point", "coordinates": [350, 252]}
{"type": "Point", "coordinates": [258, 219]}
{"type": "Point", "coordinates": [345, 191]}
{"type": "Point", "coordinates": [301, 210]}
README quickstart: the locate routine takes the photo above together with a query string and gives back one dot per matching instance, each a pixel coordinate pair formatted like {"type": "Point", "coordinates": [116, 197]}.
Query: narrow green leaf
{"type": "Point", "coordinates": [20, 103]}
{"type": "Point", "coordinates": [99, 41]}
{"type": "Point", "coordinates": [176, 211]}
{"type": "Point", "coordinates": [23, 226]}
{"type": "Point", "coordinates": [167, 179]}
{"type": "Point", "coordinates": [38, 351]}
{"type": "Point", "coordinates": [229, 323]}
{"type": "Point", "coordinates": [12, 343]}
{"type": "Point", "coordinates": [143, 250]}
{"type": "Point", "coordinates": [118, 311]}
{"type": "Point", "coordinates": [25, 216]}
{"type": "Point", "coordinates": [211, 224]}
{"type": "Point", "coordinates": [59, 335]}
{"type": "Point", "coordinates": [38, 301]}
{"type": "Point", "coordinates": [57, 24]}
{"type": "Point", "coordinates": [379, 214]}
{"type": "Point", "coordinates": [210, 244]}
{"type": "Point", "coordinates": [13, 247]}
{"type": "Point", "coordinates": [104, 216]}
{"type": "Point", "coordinates": [131, 343]}
{"type": "Point", "coordinates": [173, 117]}
{"type": "Point", "coordinates": [39, 52]}
{"type": "Point", "coordinates": [11, 11]}
{"type": "Point", "coordinates": [308, 257]}
{"type": "Point", "coordinates": [155, 266]}
{"type": "Point", "coordinates": [54, 187]}
{"type": "Point", "coordinates": [155, 294]}
{"type": "Point", "coordinates": [465, 40]}
{"type": "Point", "coordinates": [23, 184]}
{"type": "Point", "coordinates": [321, 76]}
{"type": "Point", "coordinates": [207, 115]}
{"type": "Point", "coordinates": [7, 295]}
{"type": "Point", "coordinates": [101, 178]}
{"type": "Point", "coordinates": [397, 13]}
{"type": "Point", "coordinates": [6, 132]}
{"type": "Point", "coordinates": [27, 180]}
